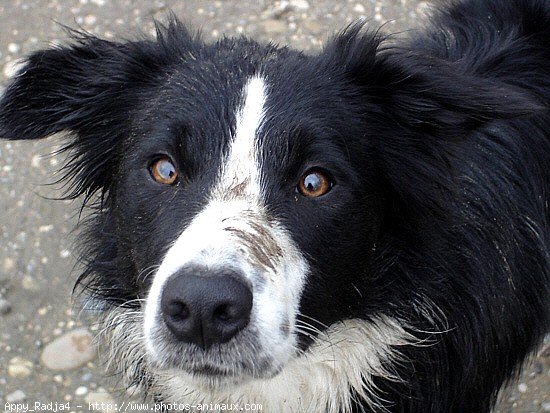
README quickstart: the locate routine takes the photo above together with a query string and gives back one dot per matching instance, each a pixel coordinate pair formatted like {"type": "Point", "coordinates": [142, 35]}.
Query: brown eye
{"type": "Point", "coordinates": [314, 183]}
{"type": "Point", "coordinates": [163, 171]}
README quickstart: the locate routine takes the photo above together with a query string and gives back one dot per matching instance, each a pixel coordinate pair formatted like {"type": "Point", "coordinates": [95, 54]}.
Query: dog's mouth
{"type": "Point", "coordinates": [209, 370]}
{"type": "Point", "coordinates": [237, 361]}
{"type": "Point", "coordinates": [223, 376]}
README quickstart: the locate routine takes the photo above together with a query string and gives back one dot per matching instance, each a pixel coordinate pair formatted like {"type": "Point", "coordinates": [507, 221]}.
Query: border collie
{"type": "Point", "coordinates": [364, 229]}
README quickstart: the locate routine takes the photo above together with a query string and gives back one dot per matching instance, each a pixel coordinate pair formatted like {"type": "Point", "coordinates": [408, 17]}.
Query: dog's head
{"type": "Point", "coordinates": [247, 194]}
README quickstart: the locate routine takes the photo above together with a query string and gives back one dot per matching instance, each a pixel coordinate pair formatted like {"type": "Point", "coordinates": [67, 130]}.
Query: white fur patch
{"type": "Point", "coordinates": [344, 358]}
{"type": "Point", "coordinates": [240, 174]}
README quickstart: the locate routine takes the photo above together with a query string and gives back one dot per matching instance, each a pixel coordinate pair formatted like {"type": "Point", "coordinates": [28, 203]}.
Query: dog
{"type": "Point", "coordinates": [365, 229]}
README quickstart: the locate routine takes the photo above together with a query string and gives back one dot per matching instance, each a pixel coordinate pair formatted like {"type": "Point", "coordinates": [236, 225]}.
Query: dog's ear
{"type": "Point", "coordinates": [429, 94]}
{"type": "Point", "coordinates": [421, 109]}
{"type": "Point", "coordinates": [88, 88]}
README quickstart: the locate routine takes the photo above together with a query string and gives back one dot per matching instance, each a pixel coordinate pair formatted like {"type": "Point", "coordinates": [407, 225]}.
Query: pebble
{"type": "Point", "coordinates": [70, 351]}
{"type": "Point", "coordinates": [29, 283]}
{"type": "Point", "coordinates": [313, 26]}
{"type": "Point", "coordinates": [546, 407]}
{"type": "Point", "coordinates": [299, 4]}
{"type": "Point", "coordinates": [100, 396]}
{"type": "Point", "coordinates": [16, 397]}
{"type": "Point", "coordinates": [522, 387]}
{"type": "Point", "coordinates": [13, 47]}
{"type": "Point", "coordinates": [5, 307]}
{"type": "Point", "coordinates": [90, 19]}
{"type": "Point", "coordinates": [359, 8]}
{"type": "Point", "coordinates": [35, 161]}
{"type": "Point", "coordinates": [273, 26]}
{"type": "Point", "coordinates": [19, 367]}
{"type": "Point", "coordinates": [9, 264]}
{"type": "Point", "coordinates": [537, 369]}
{"type": "Point", "coordinates": [87, 377]}
{"type": "Point", "coordinates": [81, 391]}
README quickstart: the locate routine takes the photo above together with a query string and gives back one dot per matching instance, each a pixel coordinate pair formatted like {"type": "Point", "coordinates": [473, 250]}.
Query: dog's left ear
{"type": "Point", "coordinates": [88, 88]}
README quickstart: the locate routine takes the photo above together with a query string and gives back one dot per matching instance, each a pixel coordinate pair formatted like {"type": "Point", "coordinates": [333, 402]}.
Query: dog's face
{"type": "Point", "coordinates": [233, 187]}
{"type": "Point", "coordinates": [250, 194]}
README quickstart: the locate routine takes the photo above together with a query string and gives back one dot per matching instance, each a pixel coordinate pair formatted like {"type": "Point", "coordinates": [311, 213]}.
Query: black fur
{"type": "Point", "coordinates": [439, 145]}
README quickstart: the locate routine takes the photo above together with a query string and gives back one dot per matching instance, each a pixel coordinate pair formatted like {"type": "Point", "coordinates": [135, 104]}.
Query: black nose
{"type": "Point", "coordinates": [205, 309]}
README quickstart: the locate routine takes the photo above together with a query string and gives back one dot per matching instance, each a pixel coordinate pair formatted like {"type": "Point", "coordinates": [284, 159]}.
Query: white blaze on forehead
{"type": "Point", "coordinates": [250, 116]}
{"type": "Point", "coordinates": [240, 173]}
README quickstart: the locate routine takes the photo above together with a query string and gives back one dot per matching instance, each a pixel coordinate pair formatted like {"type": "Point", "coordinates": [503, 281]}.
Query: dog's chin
{"type": "Point", "coordinates": [214, 377]}
{"type": "Point", "coordinates": [209, 374]}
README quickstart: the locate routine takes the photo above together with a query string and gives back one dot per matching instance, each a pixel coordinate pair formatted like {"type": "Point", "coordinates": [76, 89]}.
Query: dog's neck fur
{"type": "Point", "coordinates": [336, 370]}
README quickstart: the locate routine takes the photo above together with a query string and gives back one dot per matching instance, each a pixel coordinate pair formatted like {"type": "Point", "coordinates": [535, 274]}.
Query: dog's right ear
{"type": "Point", "coordinates": [88, 88]}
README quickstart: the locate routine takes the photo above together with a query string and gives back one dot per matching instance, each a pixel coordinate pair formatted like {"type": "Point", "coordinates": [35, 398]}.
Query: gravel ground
{"type": "Point", "coordinates": [38, 322]}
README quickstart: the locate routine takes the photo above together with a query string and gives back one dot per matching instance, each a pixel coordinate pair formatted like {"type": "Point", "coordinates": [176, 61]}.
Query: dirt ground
{"type": "Point", "coordinates": [36, 244]}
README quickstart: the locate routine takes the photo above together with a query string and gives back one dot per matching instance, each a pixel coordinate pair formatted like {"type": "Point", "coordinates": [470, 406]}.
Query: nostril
{"type": "Point", "coordinates": [177, 310]}
{"type": "Point", "coordinates": [225, 312]}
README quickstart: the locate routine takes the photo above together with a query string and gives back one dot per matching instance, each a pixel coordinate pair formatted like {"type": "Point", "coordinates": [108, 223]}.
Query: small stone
{"type": "Point", "coordinates": [19, 367]}
{"type": "Point", "coordinates": [81, 391]}
{"type": "Point", "coordinates": [546, 407]}
{"type": "Point", "coordinates": [313, 26]}
{"type": "Point", "coordinates": [35, 161]}
{"type": "Point", "coordinates": [13, 47]}
{"type": "Point", "coordinates": [359, 8]}
{"type": "Point", "coordinates": [99, 2]}
{"type": "Point", "coordinates": [28, 283]}
{"type": "Point", "coordinates": [299, 4]}
{"type": "Point", "coordinates": [522, 387]}
{"type": "Point", "coordinates": [16, 397]}
{"type": "Point", "coordinates": [70, 351]}
{"type": "Point", "coordinates": [5, 307]}
{"type": "Point", "coordinates": [102, 398]}
{"type": "Point", "coordinates": [86, 377]}
{"type": "Point", "coordinates": [273, 26]}
{"type": "Point", "coordinates": [90, 19]}
{"type": "Point", "coordinates": [9, 264]}
{"type": "Point", "coordinates": [537, 369]}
